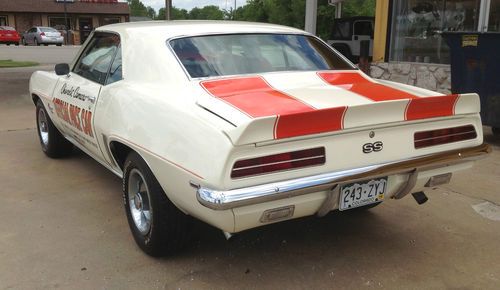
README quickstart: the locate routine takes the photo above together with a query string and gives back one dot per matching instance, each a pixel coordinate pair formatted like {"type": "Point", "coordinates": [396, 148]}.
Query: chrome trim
{"type": "Point", "coordinates": [228, 199]}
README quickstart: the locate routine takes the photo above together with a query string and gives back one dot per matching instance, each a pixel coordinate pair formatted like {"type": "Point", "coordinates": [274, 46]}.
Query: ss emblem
{"type": "Point", "coordinates": [373, 147]}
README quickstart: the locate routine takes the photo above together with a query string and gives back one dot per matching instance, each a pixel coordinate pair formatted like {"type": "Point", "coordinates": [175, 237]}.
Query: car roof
{"type": "Point", "coordinates": [177, 28]}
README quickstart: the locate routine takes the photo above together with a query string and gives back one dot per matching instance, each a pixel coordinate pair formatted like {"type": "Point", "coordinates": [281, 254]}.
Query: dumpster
{"type": "Point", "coordinates": [475, 68]}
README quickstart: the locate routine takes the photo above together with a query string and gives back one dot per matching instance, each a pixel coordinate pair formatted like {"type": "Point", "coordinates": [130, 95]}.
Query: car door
{"type": "Point", "coordinates": [76, 94]}
{"type": "Point", "coordinates": [29, 35]}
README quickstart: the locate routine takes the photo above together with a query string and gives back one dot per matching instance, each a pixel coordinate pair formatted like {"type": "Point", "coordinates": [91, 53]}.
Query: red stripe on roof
{"type": "Point", "coordinates": [356, 83]}
{"type": "Point", "coordinates": [431, 107]}
{"type": "Point", "coordinates": [255, 97]}
{"type": "Point", "coordinates": [314, 122]}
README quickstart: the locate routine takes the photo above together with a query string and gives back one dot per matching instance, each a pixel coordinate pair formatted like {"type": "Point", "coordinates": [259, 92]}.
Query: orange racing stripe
{"type": "Point", "coordinates": [256, 98]}
{"type": "Point", "coordinates": [356, 83]}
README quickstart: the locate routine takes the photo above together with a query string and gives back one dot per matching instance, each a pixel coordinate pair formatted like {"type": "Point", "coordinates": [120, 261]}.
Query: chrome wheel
{"type": "Point", "coordinates": [43, 127]}
{"type": "Point", "coordinates": [139, 202]}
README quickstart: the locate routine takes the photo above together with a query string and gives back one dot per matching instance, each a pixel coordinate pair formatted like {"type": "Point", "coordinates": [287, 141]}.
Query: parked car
{"type": "Point", "coordinates": [348, 33]}
{"type": "Point", "coordinates": [8, 35]}
{"type": "Point", "coordinates": [42, 35]}
{"type": "Point", "coordinates": [206, 120]}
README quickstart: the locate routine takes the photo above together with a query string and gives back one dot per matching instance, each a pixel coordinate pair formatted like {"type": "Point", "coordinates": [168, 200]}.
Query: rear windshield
{"type": "Point", "coordinates": [235, 54]}
{"type": "Point", "coordinates": [6, 28]}
{"type": "Point", "coordinates": [47, 29]}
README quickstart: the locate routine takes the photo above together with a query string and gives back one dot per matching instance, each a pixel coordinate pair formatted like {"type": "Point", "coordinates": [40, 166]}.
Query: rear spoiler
{"type": "Point", "coordinates": [336, 119]}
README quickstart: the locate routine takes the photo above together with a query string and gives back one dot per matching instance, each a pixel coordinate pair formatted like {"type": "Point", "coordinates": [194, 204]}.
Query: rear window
{"type": "Point", "coordinates": [236, 54]}
{"type": "Point", "coordinates": [47, 29]}
{"type": "Point", "coordinates": [7, 28]}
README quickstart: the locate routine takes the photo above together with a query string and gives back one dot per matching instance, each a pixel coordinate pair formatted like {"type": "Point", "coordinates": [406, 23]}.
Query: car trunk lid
{"type": "Point", "coordinates": [278, 106]}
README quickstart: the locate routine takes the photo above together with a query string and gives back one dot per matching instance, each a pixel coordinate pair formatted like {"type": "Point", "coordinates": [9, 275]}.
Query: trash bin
{"type": "Point", "coordinates": [475, 68]}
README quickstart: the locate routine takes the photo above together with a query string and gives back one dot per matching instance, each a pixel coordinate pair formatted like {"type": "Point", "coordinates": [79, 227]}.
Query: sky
{"type": "Point", "coordinates": [189, 4]}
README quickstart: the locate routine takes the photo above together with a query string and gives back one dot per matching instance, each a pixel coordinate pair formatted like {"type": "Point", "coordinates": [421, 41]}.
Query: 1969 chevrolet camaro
{"type": "Point", "coordinates": [245, 124]}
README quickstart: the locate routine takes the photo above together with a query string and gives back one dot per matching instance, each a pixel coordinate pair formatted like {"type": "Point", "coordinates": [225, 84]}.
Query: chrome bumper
{"type": "Point", "coordinates": [227, 199]}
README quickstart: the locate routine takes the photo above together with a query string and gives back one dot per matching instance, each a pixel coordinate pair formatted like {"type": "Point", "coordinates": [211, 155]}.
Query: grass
{"type": "Point", "coordinates": [10, 63]}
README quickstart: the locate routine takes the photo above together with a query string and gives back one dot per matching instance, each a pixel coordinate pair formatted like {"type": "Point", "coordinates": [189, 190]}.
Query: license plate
{"type": "Point", "coordinates": [362, 193]}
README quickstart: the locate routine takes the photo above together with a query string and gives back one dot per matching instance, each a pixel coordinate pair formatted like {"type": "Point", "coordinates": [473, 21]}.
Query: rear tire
{"type": "Point", "coordinates": [35, 42]}
{"type": "Point", "coordinates": [23, 41]}
{"type": "Point", "coordinates": [54, 145]}
{"type": "Point", "coordinates": [158, 227]}
{"type": "Point", "coordinates": [59, 44]}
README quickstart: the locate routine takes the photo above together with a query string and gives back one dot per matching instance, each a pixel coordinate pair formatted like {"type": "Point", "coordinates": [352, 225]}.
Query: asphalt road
{"type": "Point", "coordinates": [40, 54]}
{"type": "Point", "coordinates": [63, 226]}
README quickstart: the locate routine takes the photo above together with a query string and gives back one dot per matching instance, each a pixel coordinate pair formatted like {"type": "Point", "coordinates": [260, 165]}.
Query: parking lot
{"type": "Point", "coordinates": [63, 226]}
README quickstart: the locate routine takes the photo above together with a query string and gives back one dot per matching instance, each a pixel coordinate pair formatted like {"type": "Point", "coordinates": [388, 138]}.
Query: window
{"type": "Point", "coordinates": [115, 73]}
{"type": "Point", "coordinates": [341, 30]}
{"type": "Point", "coordinates": [494, 20]}
{"type": "Point", "coordinates": [59, 23]}
{"type": "Point", "coordinates": [363, 28]}
{"type": "Point", "coordinates": [47, 29]}
{"type": "Point", "coordinates": [417, 26]}
{"type": "Point", "coordinates": [110, 20]}
{"type": "Point", "coordinates": [95, 61]}
{"type": "Point", "coordinates": [235, 54]}
{"type": "Point", "coordinates": [3, 21]}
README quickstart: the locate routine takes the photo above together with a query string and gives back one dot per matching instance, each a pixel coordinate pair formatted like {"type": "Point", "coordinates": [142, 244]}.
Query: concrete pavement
{"type": "Point", "coordinates": [63, 226]}
{"type": "Point", "coordinates": [40, 54]}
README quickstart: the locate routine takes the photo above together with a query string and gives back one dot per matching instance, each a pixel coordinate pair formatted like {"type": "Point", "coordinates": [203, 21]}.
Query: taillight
{"type": "Point", "coordinates": [42, 34]}
{"type": "Point", "coordinates": [444, 136]}
{"type": "Point", "coordinates": [278, 162]}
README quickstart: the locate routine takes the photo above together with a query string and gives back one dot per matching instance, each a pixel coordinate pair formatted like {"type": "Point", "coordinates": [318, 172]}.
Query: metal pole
{"type": "Point", "coordinates": [168, 9]}
{"type": "Point", "coordinates": [234, 11]}
{"type": "Point", "coordinates": [311, 15]}
{"type": "Point", "coordinates": [66, 22]}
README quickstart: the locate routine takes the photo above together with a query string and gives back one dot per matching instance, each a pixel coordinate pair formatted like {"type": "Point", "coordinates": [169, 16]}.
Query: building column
{"type": "Point", "coordinates": [380, 30]}
{"type": "Point", "coordinates": [311, 16]}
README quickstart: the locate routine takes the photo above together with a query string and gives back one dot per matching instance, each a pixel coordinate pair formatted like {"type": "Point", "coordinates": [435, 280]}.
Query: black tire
{"type": "Point", "coordinates": [8, 44]}
{"type": "Point", "coordinates": [169, 228]}
{"type": "Point", "coordinates": [54, 145]}
{"type": "Point", "coordinates": [59, 44]}
{"type": "Point", "coordinates": [16, 44]}
{"type": "Point", "coordinates": [23, 41]}
{"type": "Point", "coordinates": [496, 131]}
{"type": "Point", "coordinates": [35, 42]}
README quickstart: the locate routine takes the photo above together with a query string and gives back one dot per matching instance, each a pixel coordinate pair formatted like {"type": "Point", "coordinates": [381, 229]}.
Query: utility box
{"type": "Point", "coordinates": [475, 68]}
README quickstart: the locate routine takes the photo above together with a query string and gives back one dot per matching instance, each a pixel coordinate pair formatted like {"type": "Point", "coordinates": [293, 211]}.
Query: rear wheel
{"type": "Point", "coordinates": [35, 42]}
{"type": "Point", "coordinates": [158, 227]}
{"type": "Point", "coordinates": [53, 144]}
{"type": "Point", "coordinates": [59, 44]}
{"type": "Point", "coordinates": [23, 41]}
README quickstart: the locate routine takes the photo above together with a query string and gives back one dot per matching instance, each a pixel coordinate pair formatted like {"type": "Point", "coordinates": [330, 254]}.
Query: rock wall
{"type": "Point", "coordinates": [435, 77]}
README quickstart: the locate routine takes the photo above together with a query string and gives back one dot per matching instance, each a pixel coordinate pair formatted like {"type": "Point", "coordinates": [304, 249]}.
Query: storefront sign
{"type": "Point", "coordinates": [469, 40]}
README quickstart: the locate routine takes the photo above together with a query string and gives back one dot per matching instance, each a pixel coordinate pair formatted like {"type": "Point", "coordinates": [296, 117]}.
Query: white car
{"type": "Point", "coordinates": [244, 124]}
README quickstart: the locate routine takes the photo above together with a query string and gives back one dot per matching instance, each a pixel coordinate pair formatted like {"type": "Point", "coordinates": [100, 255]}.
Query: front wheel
{"type": "Point", "coordinates": [53, 144]}
{"type": "Point", "coordinates": [158, 227]}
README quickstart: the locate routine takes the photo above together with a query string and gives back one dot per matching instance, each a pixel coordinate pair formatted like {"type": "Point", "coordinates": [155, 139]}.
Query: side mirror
{"type": "Point", "coordinates": [62, 69]}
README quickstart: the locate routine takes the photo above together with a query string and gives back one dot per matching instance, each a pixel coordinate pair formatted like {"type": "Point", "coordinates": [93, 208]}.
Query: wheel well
{"type": "Point", "coordinates": [35, 98]}
{"type": "Point", "coordinates": [120, 152]}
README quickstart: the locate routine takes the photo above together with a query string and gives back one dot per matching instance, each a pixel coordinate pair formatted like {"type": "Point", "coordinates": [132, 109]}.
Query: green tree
{"type": "Point", "coordinates": [210, 12]}
{"type": "Point", "coordinates": [175, 13]}
{"type": "Point", "coordinates": [137, 8]}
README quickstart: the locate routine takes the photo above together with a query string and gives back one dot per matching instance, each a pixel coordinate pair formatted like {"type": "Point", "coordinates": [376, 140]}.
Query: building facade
{"type": "Point", "coordinates": [79, 17]}
{"type": "Point", "coordinates": [408, 44]}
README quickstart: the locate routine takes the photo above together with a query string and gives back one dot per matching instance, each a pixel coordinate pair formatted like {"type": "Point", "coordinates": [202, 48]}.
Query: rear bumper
{"type": "Point", "coordinates": [228, 199]}
{"type": "Point", "coordinates": [52, 40]}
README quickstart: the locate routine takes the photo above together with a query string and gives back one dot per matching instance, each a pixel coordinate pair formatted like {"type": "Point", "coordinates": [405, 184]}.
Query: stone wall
{"type": "Point", "coordinates": [435, 77]}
